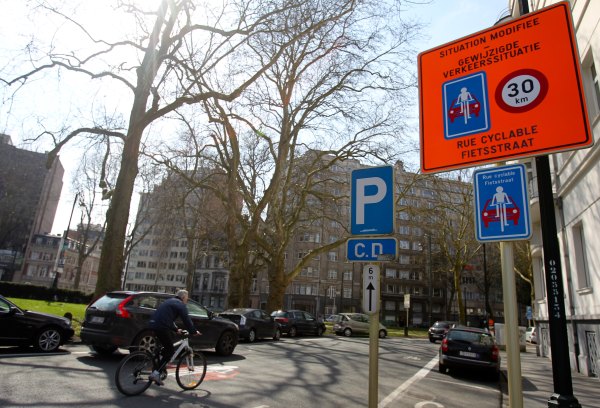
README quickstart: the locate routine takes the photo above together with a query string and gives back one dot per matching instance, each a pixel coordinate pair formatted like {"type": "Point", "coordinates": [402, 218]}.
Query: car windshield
{"type": "Point", "coordinates": [109, 301]}
{"type": "Point", "coordinates": [279, 314]}
{"type": "Point", "coordinates": [471, 337]}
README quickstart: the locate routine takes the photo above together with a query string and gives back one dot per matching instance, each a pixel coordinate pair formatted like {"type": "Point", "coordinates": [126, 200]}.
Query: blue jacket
{"type": "Point", "coordinates": [164, 317]}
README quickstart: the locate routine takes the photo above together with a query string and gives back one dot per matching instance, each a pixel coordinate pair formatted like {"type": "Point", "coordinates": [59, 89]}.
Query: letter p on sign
{"type": "Point", "coordinates": [372, 201]}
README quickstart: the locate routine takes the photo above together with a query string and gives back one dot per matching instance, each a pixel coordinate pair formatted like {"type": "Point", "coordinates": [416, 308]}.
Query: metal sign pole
{"type": "Point", "coordinates": [511, 326]}
{"type": "Point", "coordinates": [561, 367]}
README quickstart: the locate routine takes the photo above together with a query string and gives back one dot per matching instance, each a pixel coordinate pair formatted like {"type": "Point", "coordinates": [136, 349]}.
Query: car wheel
{"type": "Point", "coordinates": [103, 350]}
{"type": "Point", "coordinates": [347, 332]}
{"type": "Point", "coordinates": [145, 341]}
{"type": "Point", "coordinates": [382, 334]}
{"type": "Point", "coordinates": [277, 334]}
{"type": "Point", "coordinates": [48, 339]}
{"type": "Point", "coordinates": [252, 336]}
{"type": "Point", "coordinates": [442, 368]}
{"type": "Point", "coordinates": [226, 344]}
{"type": "Point", "coordinates": [320, 331]}
{"type": "Point", "coordinates": [293, 332]}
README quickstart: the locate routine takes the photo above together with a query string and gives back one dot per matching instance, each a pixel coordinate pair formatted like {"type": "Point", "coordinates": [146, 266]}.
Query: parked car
{"type": "Point", "coordinates": [488, 214]}
{"type": "Point", "coordinates": [253, 323]}
{"type": "Point", "coordinates": [355, 323]}
{"type": "Point", "coordinates": [19, 327]}
{"type": "Point", "coordinates": [120, 319]}
{"type": "Point", "coordinates": [469, 348]}
{"type": "Point", "coordinates": [298, 322]}
{"type": "Point", "coordinates": [456, 111]}
{"type": "Point", "coordinates": [531, 335]}
{"type": "Point", "coordinates": [439, 329]}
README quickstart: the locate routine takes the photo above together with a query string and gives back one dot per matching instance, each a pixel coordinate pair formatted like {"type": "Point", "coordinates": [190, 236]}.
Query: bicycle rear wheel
{"type": "Point", "coordinates": [191, 369]}
{"type": "Point", "coordinates": [133, 372]}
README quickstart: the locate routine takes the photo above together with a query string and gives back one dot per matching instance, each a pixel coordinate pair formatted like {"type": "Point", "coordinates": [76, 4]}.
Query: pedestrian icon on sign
{"type": "Point", "coordinates": [466, 106]}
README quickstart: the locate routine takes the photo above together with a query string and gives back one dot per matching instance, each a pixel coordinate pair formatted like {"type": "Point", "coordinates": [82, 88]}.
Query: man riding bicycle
{"type": "Point", "coordinates": [163, 324]}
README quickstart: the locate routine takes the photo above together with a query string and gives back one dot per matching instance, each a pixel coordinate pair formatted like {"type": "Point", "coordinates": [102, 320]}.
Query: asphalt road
{"type": "Point", "coordinates": [301, 372]}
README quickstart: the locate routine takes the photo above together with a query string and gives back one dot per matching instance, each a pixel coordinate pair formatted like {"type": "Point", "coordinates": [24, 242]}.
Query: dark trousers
{"type": "Point", "coordinates": [166, 340]}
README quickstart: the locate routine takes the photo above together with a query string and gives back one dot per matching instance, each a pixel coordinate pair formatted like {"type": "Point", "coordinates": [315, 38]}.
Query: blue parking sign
{"type": "Point", "coordinates": [466, 106]}
{"type": "Point", "coordinates": [501, 204]}
{"type": "Point", "coordinates": [372, 201]}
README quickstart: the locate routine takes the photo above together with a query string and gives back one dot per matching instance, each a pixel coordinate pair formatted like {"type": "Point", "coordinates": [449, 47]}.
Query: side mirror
{"type": "Point", "coordinates": [12, 311]}
{"type": "Point", "coordinates": [211, 314]}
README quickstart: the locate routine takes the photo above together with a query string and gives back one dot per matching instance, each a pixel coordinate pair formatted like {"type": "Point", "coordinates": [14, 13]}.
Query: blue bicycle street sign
{"type": "Point", "coordinates": [501, 204]}
{"type": "Point", "coordinates": [466, 104]}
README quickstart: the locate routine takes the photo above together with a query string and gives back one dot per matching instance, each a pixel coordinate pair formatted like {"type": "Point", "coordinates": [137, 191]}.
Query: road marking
{"type": "Point", "coordinates": [419, 375]}
{"type": "Point", "coordinates": [477, 387]}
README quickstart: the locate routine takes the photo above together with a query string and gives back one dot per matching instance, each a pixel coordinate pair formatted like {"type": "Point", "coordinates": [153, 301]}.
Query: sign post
{"type": "Point", "coordinates": [372, 213]}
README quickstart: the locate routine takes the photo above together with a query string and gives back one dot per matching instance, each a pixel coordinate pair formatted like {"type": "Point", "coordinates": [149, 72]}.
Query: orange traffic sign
{"type": "Point", "coordinates": [511, 91]}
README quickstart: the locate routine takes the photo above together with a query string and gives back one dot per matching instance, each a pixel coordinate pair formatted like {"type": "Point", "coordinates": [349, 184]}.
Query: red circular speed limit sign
{"type": "Point", "coordinates": [521, 91]}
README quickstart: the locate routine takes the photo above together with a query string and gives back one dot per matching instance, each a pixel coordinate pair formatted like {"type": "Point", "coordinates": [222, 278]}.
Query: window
{"type": "Point", "coordinates": [591, 83]}
{"type": "Point", "coordinates": [347, 276]}
{"type": "Point", "coordinates": [404, 259]}
{"type": "Point", "coordinates": [404, 244]}
{"type": "Point", "coordinates": [347, 293]}
{"type": "Point", "coordinates": [581, 263]}
{"type": "Point", "coordinates": [390, 273]}
{"type": "Point", "coordinates": [403, 215]}
{"type": "Point", "coordinates": [141, 264]}
{"type": "Point", "coordinates": [332, 274]}
{"type": "Point", "coordinates": [332, 256]}
{"type": "Point", "coordinates": [403, 230]}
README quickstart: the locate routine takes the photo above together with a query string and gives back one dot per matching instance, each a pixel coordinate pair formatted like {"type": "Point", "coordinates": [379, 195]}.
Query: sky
{"type": "Point", "coordinates": [444, 20]}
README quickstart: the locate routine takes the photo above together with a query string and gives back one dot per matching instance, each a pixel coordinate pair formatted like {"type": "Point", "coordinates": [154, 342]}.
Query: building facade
{"type": "Point", "coordinates": [29, 195]}
{"type": "Point", "coordinates": [576, 177]}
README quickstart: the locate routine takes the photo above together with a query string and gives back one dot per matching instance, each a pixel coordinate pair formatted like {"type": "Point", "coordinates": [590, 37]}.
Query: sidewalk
{"type": "Point", "coordinates": [538, 387]}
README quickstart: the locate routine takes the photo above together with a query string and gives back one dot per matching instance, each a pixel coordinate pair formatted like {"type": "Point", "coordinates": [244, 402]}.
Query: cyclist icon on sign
{"type": "Point", "coordinates": [464, 98]}
{"type": "Point", "coordinates": [500, 200]}
{"type": "Point", "coordinates": [466, 107]}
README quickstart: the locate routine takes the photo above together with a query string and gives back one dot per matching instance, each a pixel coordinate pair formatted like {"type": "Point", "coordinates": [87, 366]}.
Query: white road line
{"type": "Point", "coordinates": [398, 391]}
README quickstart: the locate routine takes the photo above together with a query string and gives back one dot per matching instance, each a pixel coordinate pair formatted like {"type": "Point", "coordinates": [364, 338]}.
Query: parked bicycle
{"type": "Point", "coordinates": [133, 373]}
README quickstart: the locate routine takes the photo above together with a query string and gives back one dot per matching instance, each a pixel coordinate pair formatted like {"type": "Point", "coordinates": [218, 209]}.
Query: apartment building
{"type": "Point", "coordinates": [29, 195]}
{"type": "Point", "coordinates": [330, 284]}
{"type": "Point", "coordinates": [178, 243]}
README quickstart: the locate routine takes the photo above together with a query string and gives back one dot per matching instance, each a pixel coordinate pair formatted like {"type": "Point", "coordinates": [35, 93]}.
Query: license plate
{"type": "Point", "coordinates": [97, 319]}
{"type": "Point", "coordinates": [468, 354]}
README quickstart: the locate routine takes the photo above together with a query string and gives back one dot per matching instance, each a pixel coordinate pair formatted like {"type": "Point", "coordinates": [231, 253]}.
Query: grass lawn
{"type": "Point", "coordinates": [55, 308]}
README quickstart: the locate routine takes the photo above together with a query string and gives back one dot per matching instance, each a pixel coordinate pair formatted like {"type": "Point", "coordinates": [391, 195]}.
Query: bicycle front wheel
{"type": "Point", "coordinates": [191, 369]}
{"type": "Point", "coordinates": [133, 373]}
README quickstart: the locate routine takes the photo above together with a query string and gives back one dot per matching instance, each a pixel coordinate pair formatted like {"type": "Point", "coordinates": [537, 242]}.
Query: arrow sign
{"type": "Point", "coordinates": [371, 289]}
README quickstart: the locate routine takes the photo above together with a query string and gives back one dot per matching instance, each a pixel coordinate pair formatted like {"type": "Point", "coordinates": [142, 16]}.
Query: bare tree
{"type": "Point", "coordinates": [452, 230]}
{"type": "Point", "coordinates": [177, 59]}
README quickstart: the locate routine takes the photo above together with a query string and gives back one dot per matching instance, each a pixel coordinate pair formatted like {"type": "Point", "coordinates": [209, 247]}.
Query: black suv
{"type": "Point", "coordinates": [438, 330]}
{"type": "Point", "coordinates": [296, 322]}
{"type": "Point", "coordinates": [120, 319]}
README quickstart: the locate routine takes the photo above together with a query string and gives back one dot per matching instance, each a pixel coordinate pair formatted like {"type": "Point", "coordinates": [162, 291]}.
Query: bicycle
{"type": "Point", "coordinates": [133, 373]}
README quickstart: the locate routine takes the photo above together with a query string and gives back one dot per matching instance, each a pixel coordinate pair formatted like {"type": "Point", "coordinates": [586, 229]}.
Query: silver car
{"type": "Point", "coordinates": [354, 323]}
